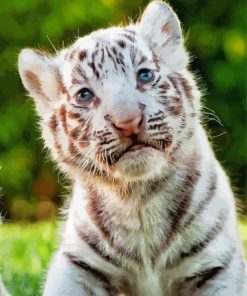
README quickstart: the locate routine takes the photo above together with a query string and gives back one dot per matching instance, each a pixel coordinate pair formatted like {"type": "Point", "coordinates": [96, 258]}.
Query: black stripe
{"type": "Point", "coordinates": [210, 235]}
{"type": "Point", "coordinates": [153, 119]}
{"type": "Point", "coordinates": [196, 248]}
{"type": "Point", "coordinates": [200, 278]}
{"type": "Point", "coordinates": [176, 213]}
{"type": "Point", "coordinates": [174, 82]}
{"type": "Point", "coordinates": [156, 81]}
{"type": "Point", "coordinates": [206, 275]}
{"type": "Point", "coordinates": [129, 37]}
{"type": "Point", "coordinates": [88, 291]}
{"type": "Point", "coordinates": [157, 126]}
{"type": "Point", "coordinates": [92, 271]}
{"type": "Point", "coordinates": [205, 201]}
{"type": "Point", "coordinates": [111, 57]}
{"type": "Point", "coordinates": [183, 199]}
{"type": "Point", "coordinates": [107, 142]}
{"type": "Point", "coordinates": [209, 275]}
{"type": "Point", "coordinates": [105, 225]}
{"type": "Point", "coordinates": [92, 241]}
{"type": "Point", "coordinates": [187, 88]}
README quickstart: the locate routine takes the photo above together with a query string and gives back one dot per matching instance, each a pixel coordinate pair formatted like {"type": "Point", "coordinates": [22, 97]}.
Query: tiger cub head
{"type": "Point", "coordinates": [118, 103]}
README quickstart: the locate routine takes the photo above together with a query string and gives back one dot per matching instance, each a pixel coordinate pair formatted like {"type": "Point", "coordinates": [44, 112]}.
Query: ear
{"type": "Point", "coordinates": [40, 76]}
{"type": "Point", "coordinates": [160, 27]}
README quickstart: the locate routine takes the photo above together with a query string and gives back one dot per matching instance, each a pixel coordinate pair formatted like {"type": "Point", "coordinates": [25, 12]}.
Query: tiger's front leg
{"type": "Point", "coordinates": [69, 276]}
{"type": "Point", "coordinates": [215, 281]}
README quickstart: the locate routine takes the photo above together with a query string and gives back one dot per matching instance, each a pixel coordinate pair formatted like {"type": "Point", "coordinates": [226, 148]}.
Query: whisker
{"type": "Point", "coordinates": [53, 46]}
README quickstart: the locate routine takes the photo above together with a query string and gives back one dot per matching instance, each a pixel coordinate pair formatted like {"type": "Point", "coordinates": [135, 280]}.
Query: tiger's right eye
{"type": "Point", "coordinates": [145, 75]}
{"type": "Point", "coordinates": [84, 95]}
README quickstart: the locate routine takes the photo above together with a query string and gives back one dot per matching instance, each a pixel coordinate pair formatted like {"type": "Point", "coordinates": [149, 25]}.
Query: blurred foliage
{"type": "Point", "coordinates": [216, 39]}
{"type": "Point", "coordinates": [26, 251]}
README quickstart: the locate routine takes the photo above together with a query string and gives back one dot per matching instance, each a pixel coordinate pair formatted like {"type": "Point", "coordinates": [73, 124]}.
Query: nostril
{"type": "Point", "coordinates": [140, 122]}
{"type": "Point", "coordinates": [117, 127]}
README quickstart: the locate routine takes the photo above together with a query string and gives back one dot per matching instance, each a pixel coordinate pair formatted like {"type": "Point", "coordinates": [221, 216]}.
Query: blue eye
{"type": "Point", "coordinates": [84, 95]}
{"type": "Point", "coordinates": [145, 75]}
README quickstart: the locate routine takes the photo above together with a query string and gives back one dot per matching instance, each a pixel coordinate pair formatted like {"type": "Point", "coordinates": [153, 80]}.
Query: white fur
{"type": "Point", "coordinates": [140, 220]}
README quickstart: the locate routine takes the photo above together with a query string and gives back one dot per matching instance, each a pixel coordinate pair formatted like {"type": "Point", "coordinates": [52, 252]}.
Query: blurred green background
{"type": "Point", "coordinates": [32, 189]}
{"type": "Point", "coordinates": [31, 186]}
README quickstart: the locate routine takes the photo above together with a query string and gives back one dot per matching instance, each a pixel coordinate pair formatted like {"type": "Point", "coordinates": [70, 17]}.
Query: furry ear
{"type": "Point", "coordinates": [40, 77]}
{"type": "Point", "coordinates": [160, 27]}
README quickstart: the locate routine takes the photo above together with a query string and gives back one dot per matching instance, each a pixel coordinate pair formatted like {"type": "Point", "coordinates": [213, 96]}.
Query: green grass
{"type": "Point", "coordinates": [243, 232]}
{"type": "Point", "coordinates": [25, 252]}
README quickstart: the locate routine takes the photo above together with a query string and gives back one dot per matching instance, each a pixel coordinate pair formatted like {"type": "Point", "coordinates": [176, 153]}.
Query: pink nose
{"type": "Point", "coordinates": [129, 127]}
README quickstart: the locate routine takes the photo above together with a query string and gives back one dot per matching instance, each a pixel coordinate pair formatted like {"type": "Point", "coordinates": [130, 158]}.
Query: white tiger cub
{"type": "Point", "coordinates": [152, 212]}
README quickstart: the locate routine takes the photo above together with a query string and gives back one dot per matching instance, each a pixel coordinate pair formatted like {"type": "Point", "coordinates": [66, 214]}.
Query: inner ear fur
{"type": "Point", "coordinates": [40, 76]}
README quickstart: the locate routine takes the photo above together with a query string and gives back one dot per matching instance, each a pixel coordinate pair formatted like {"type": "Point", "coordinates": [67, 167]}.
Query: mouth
{"type": "Point", "coordinates": [137, 146]}
{"type": "Point", "coordinates": [131, 149]}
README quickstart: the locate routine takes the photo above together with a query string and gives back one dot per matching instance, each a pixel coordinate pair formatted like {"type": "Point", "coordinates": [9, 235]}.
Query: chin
{"type": "Point", "coordinates": [140, 165]}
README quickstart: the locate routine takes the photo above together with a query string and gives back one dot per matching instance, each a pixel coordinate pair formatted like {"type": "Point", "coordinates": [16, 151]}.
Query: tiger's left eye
{"type": "Point", "coordinates": [84, 95]}
{"type": "Point", "coordinates": [145, 75]}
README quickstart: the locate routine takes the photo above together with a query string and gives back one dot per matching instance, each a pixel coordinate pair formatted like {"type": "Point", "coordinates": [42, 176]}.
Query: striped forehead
{"type": "Point", "coordinates": [107, 52]}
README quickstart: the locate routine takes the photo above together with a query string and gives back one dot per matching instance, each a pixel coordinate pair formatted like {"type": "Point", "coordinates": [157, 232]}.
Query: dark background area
{"type": "Point", "coordinates": [31, 187]}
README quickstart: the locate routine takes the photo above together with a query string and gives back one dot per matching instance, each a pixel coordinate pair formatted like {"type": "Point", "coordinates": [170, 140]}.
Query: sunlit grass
{"type": "Point", "coordinates": [25, 252]}
{"type": "Point", "coordinates": [243, 232]}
